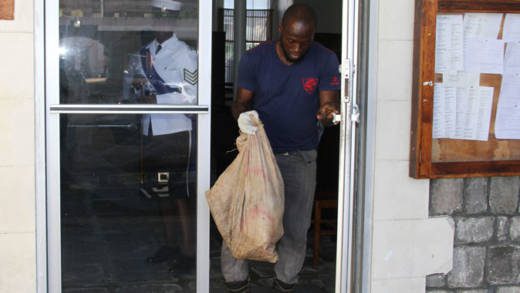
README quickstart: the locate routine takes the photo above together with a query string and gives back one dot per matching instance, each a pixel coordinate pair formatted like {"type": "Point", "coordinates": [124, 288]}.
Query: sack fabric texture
{"type": "Point", "coordinates": [247, 200]}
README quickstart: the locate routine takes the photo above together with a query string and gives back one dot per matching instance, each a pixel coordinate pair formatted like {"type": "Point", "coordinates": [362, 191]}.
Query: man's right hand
{"type": "Point", "coordinates": [139, 81]}
{"type": "Point", "coordinates": [143, 97]}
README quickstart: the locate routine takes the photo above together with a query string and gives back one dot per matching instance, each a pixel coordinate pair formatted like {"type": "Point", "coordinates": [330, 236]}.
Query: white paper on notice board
{"type": "Point", "coordinates": [482, 25]}
{"type": "Point", "coordinates": [449, 43]}
{"type": "Point", "coordinates": [444, 111]}
{"type": "Point", "coordinates": [461, 79]}
{"type": "Point", "coordinates": [507, 122]}
{"type": "Point", "coordinates": [473, 113]}
{"type": "Point", "coordinates": [484, 56]}
{"type": "Point", "coordinates": [462, 112]}
{"type": "Point", "coordinates": [511, 30]}
{"type": "Point", "coordinates": [438, 129]}
{"type": "Point", "coordinates": [485, 104]}
{"type": "Point", "coordinates": [512, 58]}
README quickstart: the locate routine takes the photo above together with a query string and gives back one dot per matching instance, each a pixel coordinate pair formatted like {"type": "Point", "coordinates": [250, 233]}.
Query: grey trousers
{"type": "Point", "coordinates": [299, 175]}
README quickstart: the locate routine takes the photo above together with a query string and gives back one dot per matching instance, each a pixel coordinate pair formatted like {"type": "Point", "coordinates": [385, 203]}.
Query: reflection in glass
{"type": "Point", "coordinates": [108, 51]}
{"type": "Point", "coordinates": [163, 72]}
{"type": "Point", "coordinates": [128, 206]}
{"type": "Point", "coordinates": [128, 195]}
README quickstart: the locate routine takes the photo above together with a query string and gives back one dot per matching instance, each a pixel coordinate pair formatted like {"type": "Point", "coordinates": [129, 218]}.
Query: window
{"type": "Point", "coordinates": [258, 29]}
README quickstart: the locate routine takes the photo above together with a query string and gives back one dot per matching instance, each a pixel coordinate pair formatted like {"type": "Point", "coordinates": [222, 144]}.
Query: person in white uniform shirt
{"type": "Point", "coordinates": [165, 72]}
{"type": "Point", "coordinates": [170, 70]}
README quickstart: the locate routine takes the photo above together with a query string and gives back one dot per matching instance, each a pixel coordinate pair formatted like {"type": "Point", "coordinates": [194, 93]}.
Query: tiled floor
{"type": "Point", "coordinates": [108, 231]}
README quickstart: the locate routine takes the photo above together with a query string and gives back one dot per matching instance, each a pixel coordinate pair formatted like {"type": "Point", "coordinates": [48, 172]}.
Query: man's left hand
{"type": "Point", "coordinates": [326, 113]}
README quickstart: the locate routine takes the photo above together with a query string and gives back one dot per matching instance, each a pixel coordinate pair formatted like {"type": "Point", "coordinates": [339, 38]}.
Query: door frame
{"type": "Point", "coordinates": [347, 147]}
{"type": "Point", "coordinates": [359, 60]}
{"type": "Point", "coordinates": [47, 148]}
{"type": "Point", "coordinates": [40, 148]}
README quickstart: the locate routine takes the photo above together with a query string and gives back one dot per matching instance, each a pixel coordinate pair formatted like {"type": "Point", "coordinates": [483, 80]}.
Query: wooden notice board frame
{"type": "Point", "coordinates": [444, 158]}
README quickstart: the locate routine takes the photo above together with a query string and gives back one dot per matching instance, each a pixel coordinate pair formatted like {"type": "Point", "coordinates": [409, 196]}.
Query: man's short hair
{"type": "Point", "coordinates": [300, 12]}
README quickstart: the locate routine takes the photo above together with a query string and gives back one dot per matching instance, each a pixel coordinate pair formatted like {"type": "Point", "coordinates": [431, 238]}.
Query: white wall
{"type": "Point", "coordinates": [406, 245]}
{"type": "Point", "coordinates": [17, 188]}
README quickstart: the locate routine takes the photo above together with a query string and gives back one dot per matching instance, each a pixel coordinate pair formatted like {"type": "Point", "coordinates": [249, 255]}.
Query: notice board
{"type": "Point", "coordinates": [466, 89]}
{"type": "Point", "coordinates": [7, 9]}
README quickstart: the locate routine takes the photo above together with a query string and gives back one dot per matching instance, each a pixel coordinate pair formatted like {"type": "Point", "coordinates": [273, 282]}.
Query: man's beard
{"type": "Point", "coordinates": [288, 57]}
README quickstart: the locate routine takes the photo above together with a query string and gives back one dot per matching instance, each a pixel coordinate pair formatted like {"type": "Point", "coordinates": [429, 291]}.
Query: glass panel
{"type": "Point", "coordinates": [128, 203]}
{"type": "Point", "coordinates": [258, 30]}
{"type": "Point", "coordinates": [133, 52]}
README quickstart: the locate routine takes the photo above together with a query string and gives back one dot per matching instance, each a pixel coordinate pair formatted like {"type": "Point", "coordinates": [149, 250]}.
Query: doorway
{"type": "Point", "coordinates": [108, 213]}
{"type": "Point", "coordinates": [316, 276]}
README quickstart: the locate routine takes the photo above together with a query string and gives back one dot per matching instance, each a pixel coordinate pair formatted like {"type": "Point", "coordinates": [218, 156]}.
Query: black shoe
{"type": "Point", "coordinates": [163, 254]}
{"type": "Point", "coordinates": [280, 286]}
{"type": "Point", "coordinates": [238, 287]}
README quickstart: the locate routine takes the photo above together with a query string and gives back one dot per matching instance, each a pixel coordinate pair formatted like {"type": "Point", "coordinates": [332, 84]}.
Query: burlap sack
{"type": "Point", "coordinates": [247, 201]}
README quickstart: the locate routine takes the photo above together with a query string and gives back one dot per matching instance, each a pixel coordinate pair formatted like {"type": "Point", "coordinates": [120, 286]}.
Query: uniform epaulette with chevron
{"type": "Point", "coordinates": [191, 77]}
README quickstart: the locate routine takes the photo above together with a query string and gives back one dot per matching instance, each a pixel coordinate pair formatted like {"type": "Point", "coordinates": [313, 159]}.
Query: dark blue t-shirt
{"type": "Point", "coordinates": [287, 96]}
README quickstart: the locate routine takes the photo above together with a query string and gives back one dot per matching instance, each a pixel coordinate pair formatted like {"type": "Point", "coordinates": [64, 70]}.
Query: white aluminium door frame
{"type": "Point", "coordinates": [350, 116]}
{"type": "Point", "coordinates": [40, 149]}
{"type": "Point", "coordinates": [204, 144]}
{"type": "Point", "coordinates": [48, 136]}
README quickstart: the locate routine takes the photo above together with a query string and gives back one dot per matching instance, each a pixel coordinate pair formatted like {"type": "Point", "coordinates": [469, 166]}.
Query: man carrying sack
{"type": "Point", "coordinates": [293, 85]}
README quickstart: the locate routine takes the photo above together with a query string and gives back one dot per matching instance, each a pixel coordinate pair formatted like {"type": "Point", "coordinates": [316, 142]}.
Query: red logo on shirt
{"type": "Point", "coordinates": [334, 81]}
{"type": "Point", "coordinates": [309, 84]}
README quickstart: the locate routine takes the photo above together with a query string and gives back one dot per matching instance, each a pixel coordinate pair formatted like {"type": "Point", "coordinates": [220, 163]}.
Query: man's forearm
{"type": "Point", "coordinates": [330, 98]}
{"type": "Point", "coordinates": [239, 107]}
{"type": "Point", "coordinates": [329, 105]}
{"type": "Point", "coordinates": [242, 102]}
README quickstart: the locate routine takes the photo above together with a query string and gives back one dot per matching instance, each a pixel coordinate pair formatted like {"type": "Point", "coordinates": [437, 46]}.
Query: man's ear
{"type": "Point", "coordinates": [280, 28]}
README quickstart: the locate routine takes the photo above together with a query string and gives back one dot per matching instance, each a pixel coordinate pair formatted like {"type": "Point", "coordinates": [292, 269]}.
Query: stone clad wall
{"type": "Point", "coordinates": [486, 255]}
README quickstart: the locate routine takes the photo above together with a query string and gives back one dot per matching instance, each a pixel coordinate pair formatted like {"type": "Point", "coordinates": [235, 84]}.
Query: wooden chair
{"type": "Point", "coordinates": [323, 226]}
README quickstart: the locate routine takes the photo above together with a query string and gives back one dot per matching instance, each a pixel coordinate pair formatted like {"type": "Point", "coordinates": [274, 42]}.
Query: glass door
{"type": "Point", "coordinates": [128, 128]}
